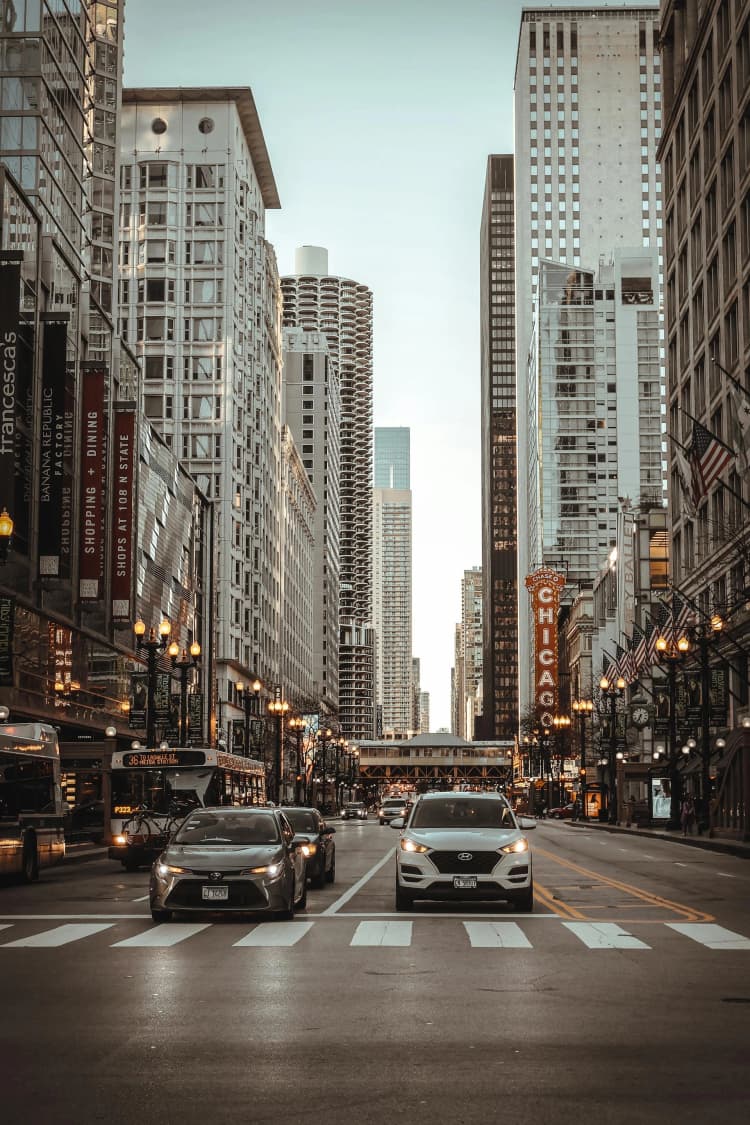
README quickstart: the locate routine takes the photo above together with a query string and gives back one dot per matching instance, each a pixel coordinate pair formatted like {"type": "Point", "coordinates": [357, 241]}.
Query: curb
{"type": "Point", "coordinates": [83, 854]}
{"type": "Point", "coordinates": [711, 844]}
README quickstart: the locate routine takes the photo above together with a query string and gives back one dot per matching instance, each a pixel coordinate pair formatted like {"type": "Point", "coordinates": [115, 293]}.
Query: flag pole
{"type": "Point", "coordinates": [732, 378]}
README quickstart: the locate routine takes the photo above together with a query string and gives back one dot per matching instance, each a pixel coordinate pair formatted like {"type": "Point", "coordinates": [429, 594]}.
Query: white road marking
{"type": "Point", "coordinates": [713, 937]}
{"type": "Point", "coordinates": [494, 935]}
{"type": "Point", "coordinates": [6, 926]}
{"type": "Point", "coordinates": [604, 935]}
{"type": "Point", "coordinates": [335, 906]}
{"type": "Point", "coordinates": [61, 935]}
{"type": "Point", "coordinates": [143, 898]}
{"type": "Point", "coordinates": [274, 934]}
{"type": "Point", "coordinates": [726, 875]}
{"type": "Point", "coordinates": [159, 937]}
{"type": "Point", "coordinates": [382, 933]}
{"type": "Point", "coordinates": [680, 864]}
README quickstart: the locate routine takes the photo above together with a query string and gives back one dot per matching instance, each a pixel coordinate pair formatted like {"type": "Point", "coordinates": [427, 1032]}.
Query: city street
{"type": "Point", "coordinates": [624, 997]}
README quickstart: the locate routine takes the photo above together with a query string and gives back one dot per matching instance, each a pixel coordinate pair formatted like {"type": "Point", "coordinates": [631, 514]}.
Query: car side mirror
{"type": "Point", "coordinates": [398, 822]}
{"type": "Point", "coordinates": [526, 823]}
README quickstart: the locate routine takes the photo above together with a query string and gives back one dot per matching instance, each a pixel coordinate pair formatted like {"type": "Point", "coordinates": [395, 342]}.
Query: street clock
{"type": "Point", "coordinates": [639, 716]}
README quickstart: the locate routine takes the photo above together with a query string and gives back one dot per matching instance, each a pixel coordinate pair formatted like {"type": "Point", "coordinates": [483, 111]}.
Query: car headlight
{"type": "Point", "coordinates": [521, 845]}
{"type": "Point", "coordinates": [309, 849]}
{"type": "Point", "coordinates": [271, 869]}
{"type": "Point", "coordinates": [165, 869]}
{"type": "Point", "coordinates": [408, 845]}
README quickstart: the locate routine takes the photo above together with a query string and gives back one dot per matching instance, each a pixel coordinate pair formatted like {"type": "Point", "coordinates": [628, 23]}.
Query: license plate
{"type": "Point", "coordinates": [465, 882]}
{"type": "Point", "coordinates": [212, 894]}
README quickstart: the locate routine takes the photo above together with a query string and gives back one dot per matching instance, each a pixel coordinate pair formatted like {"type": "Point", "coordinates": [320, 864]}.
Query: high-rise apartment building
{"type": "Point", "coordinates": [467, 672]}
{"type": "Point", "coordinates": [392, 588]}
{"type": "Point", "coordinates": [312, 410]}
{"type": "Point", "coordinates": [587, 110]}
{"type": "Point", "coordinates": [298, 588]}
{"type": "Point", "coordinates": [201, 304]}
{"type": "Point", "coordinates": [499, 474]}
{"type": "Point", "coordinates": [595, 408]}
{"type": "Point", "coordinates": [342, 309]}
{"type": "Point", "coordinates": [705, 156]}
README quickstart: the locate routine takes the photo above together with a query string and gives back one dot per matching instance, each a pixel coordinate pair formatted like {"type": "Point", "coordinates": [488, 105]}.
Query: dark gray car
{"type": "Point", "coordinates": [231, 860]}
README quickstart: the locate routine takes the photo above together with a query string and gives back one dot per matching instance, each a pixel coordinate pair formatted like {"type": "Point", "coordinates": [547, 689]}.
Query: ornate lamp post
{"type": "Point", "coordinates": [249, 704]}
{"type": "Point", "coordinates": [278, 708]}
{"type": "Point", "coordinates": [323, 736]}
{"type": "Point", "coordinates": [561, 724]}
{"type": "Point", "coordinates": [6, 535]}
{"type": "Point", "coordinates": [183, 666]}
{"type": "Point", "coordinates": [154, 647]}
{"type": "Point", "coordinates": [672, 651]}
{"type": "Point", "coordinates": [583, 709]}
{"type": "Point", "coordinates": [297, 726]}
{"type": "Point", "coordinates": [611, 691]}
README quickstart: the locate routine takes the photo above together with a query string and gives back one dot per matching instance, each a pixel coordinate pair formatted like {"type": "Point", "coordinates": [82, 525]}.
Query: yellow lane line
{"type": "Point", "coordinates": [562, 909]}
{"type": "Point", "coordinates": [688, 912]}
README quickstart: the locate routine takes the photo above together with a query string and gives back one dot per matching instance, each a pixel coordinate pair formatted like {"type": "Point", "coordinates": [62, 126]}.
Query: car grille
{"type": "Point", "coordinates": [187, 895]}
{"type": "Point", "coordinates": [481, 863]}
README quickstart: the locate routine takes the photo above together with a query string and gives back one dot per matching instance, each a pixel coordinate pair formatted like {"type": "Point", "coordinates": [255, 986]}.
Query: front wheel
{"type": "Point", "coordinates": [302, 900]}
{"type": "Point", "coordinates": [331, 873]}
{"type": "Point", "coordinates": [404, 899]}
{"type": "Point", "coordinates": [161, 915]}
{"type": "Point", "coordinates": [524, 902]}
{"type": "Point", "coordinates": [287, 913]}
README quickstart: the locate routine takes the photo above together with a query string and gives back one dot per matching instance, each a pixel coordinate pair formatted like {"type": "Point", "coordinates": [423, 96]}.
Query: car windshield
{"type": "Point", "coordinates": [466, 814]}
{"type": "Point", "coordinates": [301, 820]}
{"type": "Point", "coordinates": [356, 805]}
{"type": "Point", "coordinates": [394, 803]}
{"type": "Point", "coordinates": [228, 828]}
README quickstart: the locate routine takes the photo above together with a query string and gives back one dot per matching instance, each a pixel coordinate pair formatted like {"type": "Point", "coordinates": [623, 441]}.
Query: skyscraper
{"type": "Point", "coordinates": [342, 309]}
{"type": "Point", "coordinates": [467, 671]}
{"type": "Point", "coordinates": [587, 109]}
{"type": "Point", "coordinates": [392, 581]}
{"type": "Point", "coordinates": [201, 303]}
{"type": "Point", "coordinates": [499, 475]}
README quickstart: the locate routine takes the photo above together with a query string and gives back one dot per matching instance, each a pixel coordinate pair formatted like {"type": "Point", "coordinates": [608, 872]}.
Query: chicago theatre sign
{"type": "Point", "coordinates": [545, 587]}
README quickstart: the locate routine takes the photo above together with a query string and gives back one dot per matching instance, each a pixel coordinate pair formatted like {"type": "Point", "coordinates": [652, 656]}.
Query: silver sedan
{"type": "Point", "coordinates": [231, 860]}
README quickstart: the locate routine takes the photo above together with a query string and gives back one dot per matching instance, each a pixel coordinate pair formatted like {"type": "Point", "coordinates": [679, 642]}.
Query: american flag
{"type": "Point", "coordinates": [708, 458]}
{"type": "Point", "coordinates": [683, 614]}
{"type": "Point", "coordinates": [638, 649]}
{"type": "Point", "coordinates": [661, 627]}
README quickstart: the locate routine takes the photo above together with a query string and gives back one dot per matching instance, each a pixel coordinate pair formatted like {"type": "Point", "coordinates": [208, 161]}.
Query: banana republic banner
{"type": "Point", "coordinates": [93, 477]}
{"type": "Point", "coordinates": [56, 446]}
{"type": "Point", "coordinates": [10, 283]}
{"type": "Point", "coordinates": [122, 527]}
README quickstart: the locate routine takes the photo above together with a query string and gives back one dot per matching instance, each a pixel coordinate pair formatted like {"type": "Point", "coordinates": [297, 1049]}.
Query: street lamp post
{"type": "Point", "coordinates": [561, 724]}
{"type": "Point", "coordinates": [154, 647]}
{"type": "Point", "coordinates": [182, 666]}
{"type": "Point", "coordinates": [323, 737]}
{"type": "Point", "coordinates": [582, 708]}
{"type": "Point", "coordinates": [6, 535]}
{"type": "Point", "coordinates": [249, 705]}
{"type": "Point", "coordinates": [297, 725]}
{"type": "Point", "coordinates": [704, 638]}
{"type": "Point", "coordinates": [672, 650]}
{"type": "Point", "coordinates": [278, 708]}
{"type": "Point", "coordinates": [611, 690]}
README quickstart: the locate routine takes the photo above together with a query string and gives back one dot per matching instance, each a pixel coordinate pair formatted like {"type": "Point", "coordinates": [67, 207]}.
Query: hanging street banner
{"type": "Point", "coordinates": [7, 617]}
{"type": "Point", "coordinates": [93, 478]}
{"type": "Point", "coordinates": [195, 718]}
{"type": "Point", "coordinates": [138, 699]}
{"type": "Point", "coordinates": [545, 586]}
{"type": "Point", "coordinates": [56, 438]}
{"type": "Point", "coordinates": [10, 288]}
{"type": "Point", "coordinates": [122, 521]}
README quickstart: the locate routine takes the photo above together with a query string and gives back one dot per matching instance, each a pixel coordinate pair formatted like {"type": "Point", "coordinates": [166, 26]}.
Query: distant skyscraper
{"type": "Point", "coordinates": [342, 309]}
{"type": "Point", "coordinates": [587, 117]}
{"type": "Point", "coordinates": [467, 672]}
{"type": "Point", "coordinates": [392, 590]}
{"type": "Point", "coordinates": [499, 474]}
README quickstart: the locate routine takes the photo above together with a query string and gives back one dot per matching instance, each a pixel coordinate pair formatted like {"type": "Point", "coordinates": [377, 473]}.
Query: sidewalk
{"type": "Point", "coordinates": [84, 851]}
{"type": "Point", "coordinates": [707, 843]}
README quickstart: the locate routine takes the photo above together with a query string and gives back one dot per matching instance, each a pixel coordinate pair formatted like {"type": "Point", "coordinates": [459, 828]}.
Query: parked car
{"type": "Point", "coordinates": [231, 860]}
{"type": "Point", "coordinates": [463, 846]}
{"type": "Point", "coordinates": [315, 837]}
{"type": "Point", "coordinates": [392, 807]}
{"type": "Point", "coordinates": [562, 812]}
{"type": "Point", "coordinates": [354, 810]}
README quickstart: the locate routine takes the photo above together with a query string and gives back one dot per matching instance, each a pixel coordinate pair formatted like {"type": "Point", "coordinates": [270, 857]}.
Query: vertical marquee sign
{"type": "Point", "coordinates": [93, 477]}
{"type": "Point", "coordinates": [544, 587]}
{"type": "Point", "coordinates": [55, 441]}
{"type": "Point", "coordinates": [122, 523]}
{"type": "Point", "coordinates": [10, 289]}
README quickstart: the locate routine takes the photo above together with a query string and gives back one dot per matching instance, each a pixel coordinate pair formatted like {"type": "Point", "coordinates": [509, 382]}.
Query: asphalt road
{"type": "Point", "coordinates": [624, 997]}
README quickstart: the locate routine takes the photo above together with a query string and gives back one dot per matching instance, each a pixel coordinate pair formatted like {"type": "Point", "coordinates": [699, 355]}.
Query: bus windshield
{"type": "Point", "coordinates": [159, 788]}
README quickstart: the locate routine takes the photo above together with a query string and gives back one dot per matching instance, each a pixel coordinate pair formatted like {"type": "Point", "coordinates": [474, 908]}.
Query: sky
{"type": "Point", "coordinates": [379, 116]}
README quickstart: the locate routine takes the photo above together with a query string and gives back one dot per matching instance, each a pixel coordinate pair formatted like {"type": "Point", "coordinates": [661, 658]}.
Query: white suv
{"type": "Point", "coordinates": [463, 846]}
{"type": "Point", "coordinates": [392, 807]}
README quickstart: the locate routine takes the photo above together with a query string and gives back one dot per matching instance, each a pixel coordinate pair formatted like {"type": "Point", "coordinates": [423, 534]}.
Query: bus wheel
{"type": "Point", "coordinates": [30, 863]}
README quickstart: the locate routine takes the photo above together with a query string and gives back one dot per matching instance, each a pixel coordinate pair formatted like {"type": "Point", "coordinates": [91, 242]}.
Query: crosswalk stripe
{"type": "Point", "coordinates": [61, 935]}
{"type": "Point", "coordinates": [382, 933]}
{"type": "Point", "coordinates": [713, 937]}
{"type": "Point", "coordinates": [159, 937]}
{"type": "Point", "coordinates": [604, 935]}
{"type": "Point", "coordinates": [494, 935]}
{"type": "Point", "coordinates": [6, 925]}
{"type": "Point", "coordinates": [275, 934]}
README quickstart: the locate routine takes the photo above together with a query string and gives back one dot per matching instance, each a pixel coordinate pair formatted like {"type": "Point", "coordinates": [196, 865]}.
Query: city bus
{"type": "Point", "coordinates": [31, 804]}
{"type": "Point", "coordinates": [151, 789]}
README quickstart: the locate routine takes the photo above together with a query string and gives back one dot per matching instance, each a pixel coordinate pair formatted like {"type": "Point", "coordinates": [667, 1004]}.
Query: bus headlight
{"type": "Point", "coordinates": [119, 840]}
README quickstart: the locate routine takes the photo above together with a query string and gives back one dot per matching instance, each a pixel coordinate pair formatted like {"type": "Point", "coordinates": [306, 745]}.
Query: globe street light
{"type": "Point", "coordinates": [672, 651]}
{"type": "Point", "coordinates": [612, 690]}
{"type": "Point", "coordinates": [6, 535]}
{"type": "Point", "coordinates": [583, 708]}
{"type": "Point", "coordinates": [154, 647]}
{"type": "Point", "coordinates": [297, 726]}
{"type": "Point", "coordinates": [183, 667]}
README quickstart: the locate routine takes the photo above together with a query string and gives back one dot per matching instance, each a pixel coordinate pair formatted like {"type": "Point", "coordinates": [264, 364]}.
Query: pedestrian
{"type": "Point", "coordinates": [576, 809]}
{"type": "Point", "coordinates": [687, 816]}
{"type": "Point", "coordinates": [631, 811]}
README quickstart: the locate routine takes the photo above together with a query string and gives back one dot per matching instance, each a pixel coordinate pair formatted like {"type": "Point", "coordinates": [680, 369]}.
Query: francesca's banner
{"type": "Point", "coordinates": [55, 441]}
{"type": "Point", "coordinates": [122, 522]}
{"type": "Point", "coordinates": [93, 476]}
{"type": "Point", "coordinates": [545, 587]}
{"type": "Point", "coordinates": [10, 287]}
